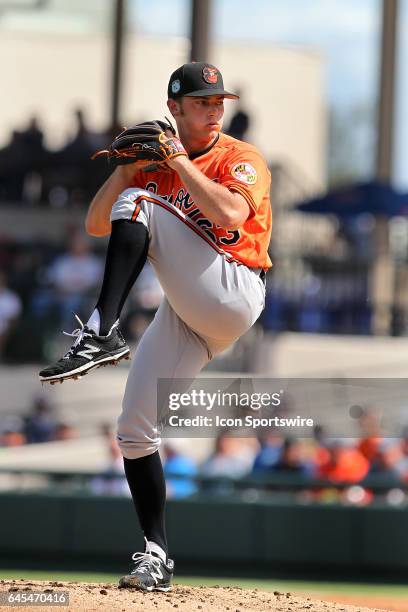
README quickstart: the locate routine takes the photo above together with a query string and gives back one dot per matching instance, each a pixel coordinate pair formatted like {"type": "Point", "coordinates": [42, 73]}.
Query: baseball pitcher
{"type": "Point", "coordinates": [197, 206]}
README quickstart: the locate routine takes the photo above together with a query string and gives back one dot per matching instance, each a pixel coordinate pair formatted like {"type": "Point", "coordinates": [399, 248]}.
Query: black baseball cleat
{"type": "Point", "coordinates": [88, 352]}
{"type": "Point", "coordinates": [150, 573]}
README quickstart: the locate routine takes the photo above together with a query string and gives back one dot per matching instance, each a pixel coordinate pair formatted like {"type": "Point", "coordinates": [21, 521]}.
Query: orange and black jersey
{"type": "Point", "coordinates": [239, 167]}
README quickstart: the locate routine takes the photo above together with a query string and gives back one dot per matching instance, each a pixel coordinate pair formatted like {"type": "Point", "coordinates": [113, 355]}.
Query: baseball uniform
{"type": "Point", "coordinates": [212, 277]}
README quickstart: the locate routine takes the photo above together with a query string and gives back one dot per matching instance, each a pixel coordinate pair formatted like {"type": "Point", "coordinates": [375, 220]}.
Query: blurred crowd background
{"type": "Point", "coordinates": [312, 92]}
{"type": "Point", "coordinates": [352, 471]}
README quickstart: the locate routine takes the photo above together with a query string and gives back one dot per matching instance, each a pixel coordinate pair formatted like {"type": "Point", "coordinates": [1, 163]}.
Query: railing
{"type": "Point", "coordinates": [377, 484]}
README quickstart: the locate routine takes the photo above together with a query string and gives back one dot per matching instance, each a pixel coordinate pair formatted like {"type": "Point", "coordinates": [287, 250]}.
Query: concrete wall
{"type": "Point", "coordinates": [207, 536]}
{"type": "Point", "coordinates": [294, 355]}
{"type": "Point", "coordinates": [50, 74]}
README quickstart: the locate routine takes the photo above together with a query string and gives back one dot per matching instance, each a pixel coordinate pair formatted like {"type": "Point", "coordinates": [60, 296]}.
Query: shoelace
{"type": "Point", "coordinates": [145, 560]}
{"type": "Point", "coordinates": [79, 334]}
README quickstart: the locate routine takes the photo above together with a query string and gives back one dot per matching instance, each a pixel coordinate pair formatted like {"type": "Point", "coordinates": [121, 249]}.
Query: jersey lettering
{"type": "Point", "coordinates": [235, 236]}
{"type": "Point", "coordinates": [195, 213]}
{"type": "Point", "coordinates": [152, 186]}
{"type": "Point", "coordinates": [183, 201]}
{"type": "Point", "coordinates": [206, 225]}
{"type": "Point", "coordinates": [239, 167]}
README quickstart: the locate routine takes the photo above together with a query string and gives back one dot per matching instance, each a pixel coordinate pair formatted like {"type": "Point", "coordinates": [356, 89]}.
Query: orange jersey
{"type": "Point", "coordinates": [239, 167]}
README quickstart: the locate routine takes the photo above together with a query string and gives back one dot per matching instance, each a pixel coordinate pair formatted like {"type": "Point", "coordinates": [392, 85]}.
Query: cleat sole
{"type": "Point", "coordinates": [131, 583]}
{"type": "Point", "coordinates": [80, 372]}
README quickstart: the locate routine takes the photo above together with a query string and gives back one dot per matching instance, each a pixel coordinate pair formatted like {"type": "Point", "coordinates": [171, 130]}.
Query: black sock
{"type": "Point", "coordinates": [147, 485]}
{"type": "Point", "coordinates": [126, 256]}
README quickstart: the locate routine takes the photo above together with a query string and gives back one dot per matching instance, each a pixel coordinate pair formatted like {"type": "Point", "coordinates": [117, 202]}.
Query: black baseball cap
{"type": "Point", "coordinates": [197, 79]}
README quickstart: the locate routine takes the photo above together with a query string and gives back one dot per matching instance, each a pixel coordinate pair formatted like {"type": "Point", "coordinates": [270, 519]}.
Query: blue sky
{"type": "Point", "coordinates": [346, 32]}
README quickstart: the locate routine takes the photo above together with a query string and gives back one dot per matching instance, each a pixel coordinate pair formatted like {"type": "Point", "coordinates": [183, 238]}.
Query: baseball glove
{"type": "Point", "coordinates": [150, 144]}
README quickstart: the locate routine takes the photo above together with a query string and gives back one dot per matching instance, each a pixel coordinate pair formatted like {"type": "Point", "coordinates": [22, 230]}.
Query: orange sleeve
{"type": "Point", "coordinates": [246, 172]}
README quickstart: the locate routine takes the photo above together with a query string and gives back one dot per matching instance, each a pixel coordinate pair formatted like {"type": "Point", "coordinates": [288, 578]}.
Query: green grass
{"type": "Point", "coordinates": [303, 586]}
{"type": "Point", "coordinates": [57, 575]}
{"type": "Point", "coordinates": [268, 585]}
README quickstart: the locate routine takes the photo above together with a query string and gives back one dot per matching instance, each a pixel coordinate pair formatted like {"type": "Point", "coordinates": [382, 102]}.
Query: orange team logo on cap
{"type": "Point", "coordinates": [210, 74]}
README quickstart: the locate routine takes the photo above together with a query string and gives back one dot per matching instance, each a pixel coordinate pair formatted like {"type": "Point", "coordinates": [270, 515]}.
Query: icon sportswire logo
{"type": "Point", "coordinates": [88, 351]}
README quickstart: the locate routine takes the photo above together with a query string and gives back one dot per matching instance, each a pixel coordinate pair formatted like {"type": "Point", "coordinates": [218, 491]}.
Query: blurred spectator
{"type": "Point", "coordinates": [178, 464]}
{"type": "Point", "coordinates": [84, 141]}
{"type": "Point", "coordinates": [384, 462]}
{"type": "Point", "coordinates": [239, 123]}
{"type": "Point", "coordinates": [12, 438]}
{"type": "Point", "coordinates": [142, 303]}
{"type": "Point", "coordinates": [10, 172]}
{"type": "Point", "coordinates": [40, 424]}
{"type": "Point", "coordinates": [63, 431]}
{"type": "Point", "coordinates": [319, 444]}
{"type": "Point", "coordinates": [270, 453]}
{"type": "Point", "coordinates": [22, 162]}
{"type": "Point", "coordinates": [11, 431]}
{"type": "Point", "coordinates": [30, 173]}
{"type": "Point", "coordinates": [24, 260]}
{"type": "Point", "coordinates": [294, 459]}
{"type": "Point", "coordinates": [370, 442]}
{"type": "Point", "coordinates": [401, 462]}
{"type": "Point", "coordinates": [115, 459]}
{"type": "Point", "coordinates": [72, 278]}
{"type": "Point", "coordinates": [148, 291]}
{"type": "Point", "coordinates": [75, 177]}
{"type": "Point", "coordinates": [10, 309]}
{"type": "Point", "coordinates": [344, 464]}
{"type": "Point", "coordinates": [32, 138]}
{"type": "Point", "coordinates": [232, 457]}
{"type": "Point", "coordinates": [112, 480]}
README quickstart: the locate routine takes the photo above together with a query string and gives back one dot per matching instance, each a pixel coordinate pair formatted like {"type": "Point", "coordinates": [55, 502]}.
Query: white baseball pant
{"type": "Point", "coordinates": [209, 302]}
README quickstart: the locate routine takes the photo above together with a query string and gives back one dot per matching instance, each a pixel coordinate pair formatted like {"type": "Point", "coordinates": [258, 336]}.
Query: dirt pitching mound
{"type": "Point", "coordinates": [87, 597]}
